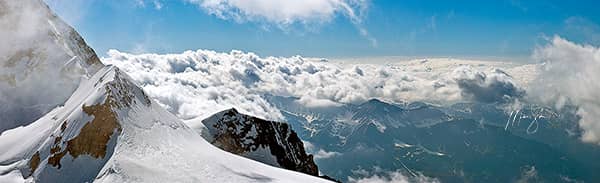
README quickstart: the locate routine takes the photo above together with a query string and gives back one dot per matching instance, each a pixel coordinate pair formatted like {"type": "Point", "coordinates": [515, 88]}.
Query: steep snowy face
{"type": "Point", "coordinates": [42, 61]}
{"type": "Point", "coordinates": [73, 142]}
{"type": "Point", "coordinates": [269, 142]}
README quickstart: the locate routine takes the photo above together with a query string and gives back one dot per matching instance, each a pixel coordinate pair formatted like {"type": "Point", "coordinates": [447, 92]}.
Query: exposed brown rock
{"type": "Point", "coordinates": [34, 162]}
{"type": "Point", "coordinates": [229, 143]}
{"type": "Point", "coordinates": [57, 140]}
{"type": "Point", "coordinates": [54, 149]}
{"type": "Point", "coordinates": [54, 159]}
{"type": "Point", "coordinates": [94, 136]}
{"type": "Point", "coordinates": [63, 126]}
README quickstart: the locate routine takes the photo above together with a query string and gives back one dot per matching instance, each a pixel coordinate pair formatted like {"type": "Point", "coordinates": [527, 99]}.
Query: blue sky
{"type": "Point", "coordinates": [463, 28]}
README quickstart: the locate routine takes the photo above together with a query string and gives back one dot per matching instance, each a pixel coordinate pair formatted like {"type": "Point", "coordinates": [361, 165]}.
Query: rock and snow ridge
{"type": "Point", "coordinates": [107, 130]}
{"type": "Point", "coordinates": [270, 142]}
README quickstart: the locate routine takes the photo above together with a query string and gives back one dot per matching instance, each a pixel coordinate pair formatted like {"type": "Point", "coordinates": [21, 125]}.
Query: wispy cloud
{"type": "Point", "coordinates": [580, 26]}
{"type": "Point", "coordinates": [285, 13]}
{"type": "Point", "coordinates": [156, 4]}
{"type": "Point", "coordinates": [432, 23]}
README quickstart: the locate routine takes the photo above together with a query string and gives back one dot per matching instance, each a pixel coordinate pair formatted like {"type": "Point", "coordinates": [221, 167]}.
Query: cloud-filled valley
{"type": "Point", "coordinates": [198, 83]}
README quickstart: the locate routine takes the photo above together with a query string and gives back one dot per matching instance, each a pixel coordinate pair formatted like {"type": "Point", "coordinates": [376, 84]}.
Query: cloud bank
{"type": "Point", "coordinates": [285, 13]}
{"type": "Point", "coordinates": [196, 84]}
{"type": "Point", "coordinates": [570, 75]}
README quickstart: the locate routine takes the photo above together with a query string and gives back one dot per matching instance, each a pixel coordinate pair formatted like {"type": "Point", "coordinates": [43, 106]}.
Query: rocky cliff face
{"type": "Point", "coordinates": [270, 142]}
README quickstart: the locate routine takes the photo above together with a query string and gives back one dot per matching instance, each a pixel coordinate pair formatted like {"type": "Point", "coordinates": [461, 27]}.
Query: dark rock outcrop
{"type": "Point", "coordinates": [270, 142]}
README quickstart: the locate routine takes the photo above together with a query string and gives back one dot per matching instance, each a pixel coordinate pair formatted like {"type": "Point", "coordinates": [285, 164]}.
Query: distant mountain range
{"type": "Point", "coordinates": [465, 142]}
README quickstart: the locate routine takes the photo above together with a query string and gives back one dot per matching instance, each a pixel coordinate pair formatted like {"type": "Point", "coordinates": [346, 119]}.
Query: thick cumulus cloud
{"type": "Point", "coordinates": [570, 74]}
{"type": "Point", "coordinates": [497, 86]}
{"type": "Point", "coordinates": [196, 84]}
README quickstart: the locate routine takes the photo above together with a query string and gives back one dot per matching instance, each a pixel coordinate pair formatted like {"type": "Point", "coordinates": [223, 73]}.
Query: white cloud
{"type": "Point", "coordinates": [322, 154]}
{"type": "Point", "coordinates": [278, 11]}
{"type": "Point", "coordinates": [311, 102]}
{"type": "Point", "coordinates": [196, 84]}
{"type": "Point", "coordinates": [285, 13]}
{"type": "Point", "coordinates": [156, 4]}
{"type": "Point", "coordinates": [570, 73]}
{"type": "Point", "coordinates": [393, 177]}
{"type": "Point", "coordinates": [584, 28]}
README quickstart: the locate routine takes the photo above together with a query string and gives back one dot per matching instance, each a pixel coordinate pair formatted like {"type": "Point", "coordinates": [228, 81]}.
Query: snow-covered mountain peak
{"type": "Point", "coordinates": [39, 52]}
